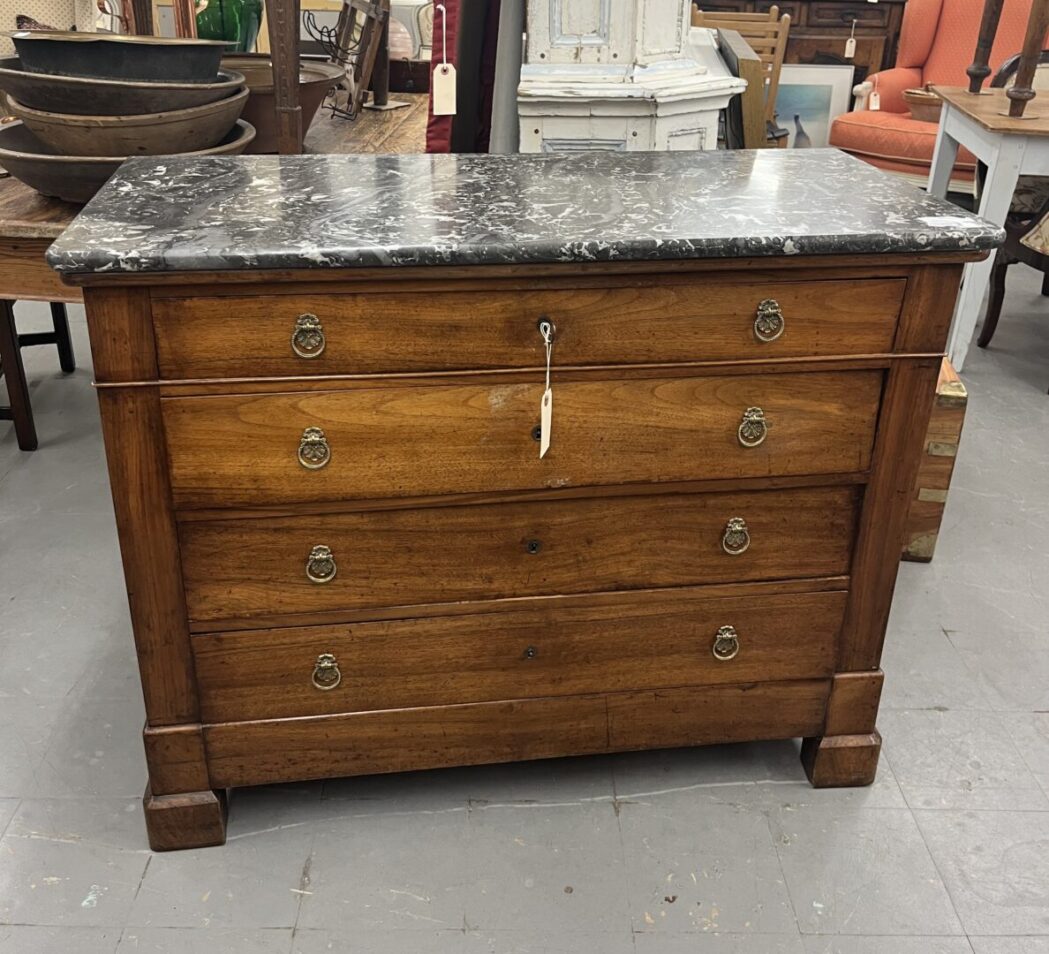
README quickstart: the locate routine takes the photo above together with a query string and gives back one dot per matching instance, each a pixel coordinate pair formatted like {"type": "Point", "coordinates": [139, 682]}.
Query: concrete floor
{"type": "Point", "coordinates": [723, 850]}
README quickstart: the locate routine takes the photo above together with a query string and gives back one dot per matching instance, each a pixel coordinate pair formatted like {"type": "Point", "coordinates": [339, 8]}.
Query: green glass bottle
{"type": "Point", "coordinates": [236, 21]}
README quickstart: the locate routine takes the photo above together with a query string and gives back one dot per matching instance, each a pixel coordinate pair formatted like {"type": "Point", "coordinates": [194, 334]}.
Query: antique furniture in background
{"type": "Point", "coordinates": [936, 44]}
{"type": "Point", "coordinates": [820, 28]}
{"type": "Point", "coordinates": [766, 34]}
{"type": "Point", "coordinates": [29, 223]}
{"type": "Point", "coordinates": [1022, 89]}
{"type": "Point", "coordinates": [1009, 148]}
{"type": "Point", "coordinates": [345, 553]}
{"type": "Point", "coordinates": [619, 76]}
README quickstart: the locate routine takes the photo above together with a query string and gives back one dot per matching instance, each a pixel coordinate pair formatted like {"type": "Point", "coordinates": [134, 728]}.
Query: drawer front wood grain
{"type": "Point", "coordinates": [673, 321]}
{"type": "Point", "coordinates": [835, 14]}
{"type": "Point", "coordinates": [242, 571]}
{"type": "Point", "coordinates": [242, 450]}
{"type": "Point", "coordinates": [368, 743]}
{"type": "Point", "coordinates": [540, 650]}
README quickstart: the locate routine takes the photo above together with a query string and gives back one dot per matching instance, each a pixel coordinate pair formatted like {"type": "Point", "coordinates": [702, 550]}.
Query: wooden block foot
{"type": "Point", "coordinates": [191, 820]}
{"type": "Point", "coordinates": [841, 761]}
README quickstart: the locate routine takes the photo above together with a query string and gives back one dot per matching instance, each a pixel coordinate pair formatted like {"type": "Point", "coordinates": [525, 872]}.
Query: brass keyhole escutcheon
{"type": "Point", "coordinates": [753, 429]}
{"type": "Point", "coordinates": [314, 452]}
{"type": "Point", "coordinates": [736, 538]}
{"type": "Point", "coordinates": [307, 340]}
{"type": "Point", "coordinates": [326, 673]}
{"type": "Point", "coordinates": [320, 565]}
{"type": "Point", "coordinates": [769, 322]}
{"type": "Point", "coordinates": [726, 644]}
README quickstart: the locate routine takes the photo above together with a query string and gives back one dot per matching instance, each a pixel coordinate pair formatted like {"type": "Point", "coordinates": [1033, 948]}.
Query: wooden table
{"type": "Point", "coordinates": [29, 223]}
{"type": "Point", "coordinates": [1009, 147]}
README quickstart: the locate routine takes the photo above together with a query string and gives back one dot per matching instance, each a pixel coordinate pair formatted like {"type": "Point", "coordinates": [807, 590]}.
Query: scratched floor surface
{"type": "Point", "coordinates": [724, 850]}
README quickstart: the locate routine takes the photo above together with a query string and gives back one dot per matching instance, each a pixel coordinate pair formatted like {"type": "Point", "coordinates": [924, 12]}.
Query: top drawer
{"type": "Point", "coordinates": [675, 321]}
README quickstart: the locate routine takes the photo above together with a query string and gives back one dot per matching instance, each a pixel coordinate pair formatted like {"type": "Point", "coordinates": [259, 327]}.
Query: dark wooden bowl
{"type": "Point", "coordinates": [151, 134]}
{"type": "Point", "coordinates": [315, 79]}
{"type": "Point", "coordinates": [78, 178]}
{"type": "Point", "coordinates": [116, 56]}
{"type": "Point", "coordinates": [80, 96]}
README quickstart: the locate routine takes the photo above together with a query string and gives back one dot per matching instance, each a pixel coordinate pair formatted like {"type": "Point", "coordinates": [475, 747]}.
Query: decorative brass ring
{"type": "Point", "coordinates": [320, 566]}
{"type": "Point", "coordinates": [753, 429]}
{"type": "Point", "coordinates": [326, 675]}
{"type": "Point", "coordinates": [726, 644]}
{"type": "Point", "coordinates": [307, 340]}
{"type": "Point", "coordinates": [314, 452]}
{"type": "Point", "coordinates": [736, 538]}
{"type": "Point", "coordinates": [769, 322]}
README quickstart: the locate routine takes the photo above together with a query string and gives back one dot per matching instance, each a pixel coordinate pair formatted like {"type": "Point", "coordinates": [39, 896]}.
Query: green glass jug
{"type": "Point", "coordinates": [236, 21]}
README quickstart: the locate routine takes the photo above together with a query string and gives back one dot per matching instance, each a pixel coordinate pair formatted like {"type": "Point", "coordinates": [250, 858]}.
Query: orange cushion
{"type": "Point", "coordinates": [891, 136]}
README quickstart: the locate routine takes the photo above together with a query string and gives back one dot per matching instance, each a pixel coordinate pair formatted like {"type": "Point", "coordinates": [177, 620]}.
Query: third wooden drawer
{"type": "Point", "coordinates": [239, 572]}
{"type": "Point", "coordinates": [381, 441]}
{"type": "Point", "coordinates": [544, 648]}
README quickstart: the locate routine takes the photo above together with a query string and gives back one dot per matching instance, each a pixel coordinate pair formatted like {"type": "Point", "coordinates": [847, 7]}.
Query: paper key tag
{"type": "Point", "coordinates": [874, 101]}
{"type": "Point", "coordinates": [850, 47]}
{"type": "Point", "coordinates": [546, 421]}
{"type": "Point", "coordinates": [444, 90]}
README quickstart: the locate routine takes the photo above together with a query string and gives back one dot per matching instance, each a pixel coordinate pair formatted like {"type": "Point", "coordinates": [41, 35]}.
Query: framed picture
{"type": "Point", "coordinates": [809, 99]}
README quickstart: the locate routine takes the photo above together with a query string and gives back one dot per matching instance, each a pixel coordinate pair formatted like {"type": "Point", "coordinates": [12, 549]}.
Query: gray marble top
{"type": "Point", "coordinates": [259, 212]}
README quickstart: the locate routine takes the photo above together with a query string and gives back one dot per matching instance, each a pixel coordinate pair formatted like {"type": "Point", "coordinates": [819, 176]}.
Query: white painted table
{"type": "Point", "coordinates": [1009, 148]}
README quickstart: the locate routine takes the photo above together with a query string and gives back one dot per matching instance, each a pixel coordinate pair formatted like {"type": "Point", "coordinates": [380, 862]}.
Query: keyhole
{"type": "Point", "coordinates": [537, 432]}
{"type": "Point", "coordinates": [531, 652]}
{"type": "Point", "coordinates": [534, 546]}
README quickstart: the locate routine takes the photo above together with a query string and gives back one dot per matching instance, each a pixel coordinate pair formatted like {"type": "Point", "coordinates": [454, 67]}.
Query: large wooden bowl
{"type": "Point", "coordinates": [81, 96]}
{"type": "Point", "coordinates": [315, 79]}
{"type": "Point", "coordinates": [116, 56]}
{"type": "Point", "coordinates": [148, 134]}
{"type": "Point", "coordinates": [78, 178]}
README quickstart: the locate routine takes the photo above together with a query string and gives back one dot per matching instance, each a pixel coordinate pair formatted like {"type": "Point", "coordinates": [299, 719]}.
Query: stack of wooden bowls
{"type": "Point", "coordinates": [87, 101]}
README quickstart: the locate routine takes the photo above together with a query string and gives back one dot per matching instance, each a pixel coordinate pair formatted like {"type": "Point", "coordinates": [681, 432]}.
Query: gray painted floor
{"type": "Point", "coordinates": [723, 850]}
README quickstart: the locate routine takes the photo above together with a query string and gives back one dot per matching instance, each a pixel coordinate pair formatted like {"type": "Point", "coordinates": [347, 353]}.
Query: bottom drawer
{"type": "Point", "coordinates": [546, 648]}
{"type": "Point", "coordinates": [366, 743]}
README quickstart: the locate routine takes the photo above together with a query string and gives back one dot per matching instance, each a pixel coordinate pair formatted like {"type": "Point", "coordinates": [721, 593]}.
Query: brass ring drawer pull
{"type": "Point", "coordinates": [307, 340]}
{"type": "Point", "coordinates": [753, 429]}
{"type": "Point", "coordinates": [726, 644]}
{"type": "Point", "coordinates": [769, 322]}
{"type": "Point", "coordinates": [736, 538]}
{"type": "Point", "coordinates": [320, 566]}
{"type": "Point", "coordinates": [326, 673]}
{"type": "Point", "coordinates": [314, 452]}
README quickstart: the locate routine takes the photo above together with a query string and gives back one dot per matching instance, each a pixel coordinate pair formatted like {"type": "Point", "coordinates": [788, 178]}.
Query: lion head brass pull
{"type": "Point", "coordinates": [320, 566]}
{"type": "Point", "coordinates": [736, 538]}
{"type": "Point", "coordinates": [753, 429]}
{"type": "Point", "coordinates": [314, 452]}
{"type": "Point", "coordinates": [307, 340]}
{"type": "Point", "coordinates": [768, 322]}
{"type": "Point", "coordinates": [326, 673]}
{"type": "Point", "coordinates": [726, 644]}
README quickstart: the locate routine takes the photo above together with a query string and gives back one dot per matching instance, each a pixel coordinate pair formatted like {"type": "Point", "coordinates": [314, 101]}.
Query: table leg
{"type": "Point", "coordinates": [66, 360]}
{"type": "Point", "coordinates": [1002, 174]}
{"type": "Point", "coordinates": [283, 19]}
{"type": "Point", "coordinates": [944, 155]}
{"type": "Point", "coordinates": [20, 412]}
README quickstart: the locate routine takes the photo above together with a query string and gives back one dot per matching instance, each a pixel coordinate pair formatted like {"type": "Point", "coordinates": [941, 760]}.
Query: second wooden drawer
{"type": "Point", "coordinates": [246, 450]}
{"type": "Point", "coordinates": [542, 649]}
{"type": "Point", "coordinates": [239, 571]}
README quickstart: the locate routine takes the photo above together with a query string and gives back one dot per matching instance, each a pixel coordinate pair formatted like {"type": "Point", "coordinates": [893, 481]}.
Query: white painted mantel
{"type": "Point", "coordinates": [624, 75]}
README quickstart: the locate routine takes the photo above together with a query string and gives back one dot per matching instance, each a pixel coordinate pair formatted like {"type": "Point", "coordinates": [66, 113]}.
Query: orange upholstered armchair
{"type": "Point", "coordinates": [937, 43]}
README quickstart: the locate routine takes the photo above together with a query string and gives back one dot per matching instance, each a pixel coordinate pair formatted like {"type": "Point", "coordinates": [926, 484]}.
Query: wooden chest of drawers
{"type": "Point", "coordinates": [344, 553]}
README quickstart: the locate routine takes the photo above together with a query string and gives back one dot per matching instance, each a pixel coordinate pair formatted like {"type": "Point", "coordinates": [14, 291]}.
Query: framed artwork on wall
{"type": "Point", "coordinates": [809, 98]}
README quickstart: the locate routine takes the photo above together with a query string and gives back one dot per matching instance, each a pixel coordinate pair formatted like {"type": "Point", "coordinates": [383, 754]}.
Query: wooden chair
{"type": "Point", "coordinates": [765, 33]}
